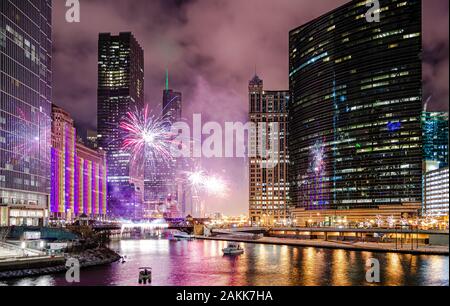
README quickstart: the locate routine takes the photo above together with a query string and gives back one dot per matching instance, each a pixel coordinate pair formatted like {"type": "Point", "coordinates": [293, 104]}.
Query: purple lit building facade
{"type": "Point", "coordinates": [78, 173]}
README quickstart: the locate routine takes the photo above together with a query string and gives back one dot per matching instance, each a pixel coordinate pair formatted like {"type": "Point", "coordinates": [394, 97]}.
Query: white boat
{"type": "Point", "coordinates": [233, 248]}
{"type": "Point", "coordinates": [181, 235]}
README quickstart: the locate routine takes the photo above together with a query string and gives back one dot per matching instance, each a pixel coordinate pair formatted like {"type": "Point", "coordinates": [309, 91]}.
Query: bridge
{"type": "Point", "coordinates": [171, 224]}
{"type": "Point", "coordinates": [240, 230]}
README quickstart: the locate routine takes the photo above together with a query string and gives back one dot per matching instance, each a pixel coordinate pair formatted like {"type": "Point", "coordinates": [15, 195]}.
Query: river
{"type": "Point", "coordinates": [200, 263]}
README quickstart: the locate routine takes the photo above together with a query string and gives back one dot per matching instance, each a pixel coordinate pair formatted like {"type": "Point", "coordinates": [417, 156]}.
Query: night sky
{"type": "Point", "coordinates": [211, 48]}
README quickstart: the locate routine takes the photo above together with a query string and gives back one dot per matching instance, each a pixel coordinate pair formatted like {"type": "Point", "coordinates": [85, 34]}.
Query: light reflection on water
{"type": "Point", "coordinates": [201, 263]}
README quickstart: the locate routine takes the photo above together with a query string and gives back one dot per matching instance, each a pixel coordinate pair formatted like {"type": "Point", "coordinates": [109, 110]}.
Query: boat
{"type": "Point", "coordinates": [182, 236]}
{"type": "Point", "coordinates": [145, 275]}
{"type": "Point", "coordinates": [233, 248]}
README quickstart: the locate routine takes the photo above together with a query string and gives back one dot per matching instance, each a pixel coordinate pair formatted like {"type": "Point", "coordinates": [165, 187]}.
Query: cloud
{"type": "Point", "coordinates": [436, 66]}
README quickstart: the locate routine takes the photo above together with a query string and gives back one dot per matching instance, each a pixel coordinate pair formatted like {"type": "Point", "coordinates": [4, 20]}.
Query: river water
{"type": "Point", "coordinates": [201, 263]}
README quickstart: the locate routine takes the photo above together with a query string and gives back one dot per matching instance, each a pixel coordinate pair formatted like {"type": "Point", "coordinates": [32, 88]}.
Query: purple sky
{"type": "Point", "coordinates": [211, 48]}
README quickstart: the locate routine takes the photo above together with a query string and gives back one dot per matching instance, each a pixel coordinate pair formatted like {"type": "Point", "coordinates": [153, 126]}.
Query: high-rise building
{"type": "Point", "coordinates": [172, 103]}
{"type": "Point", "coordinates": [91, 139]}
{"type": "Point", "coordinates": [120, 90]}
{"type": "Point", "coordinates": [269, 186]}
{"type": "Point", "coordinates": [436, 194]}
{"type": "Point", "coordinates": [162, 186]}
{"type": "Point", "coordinates": [25, 110]}
{"type": "Point", "coordinates": [87, 137]}
{"type": "Point", "coordinates": [435, 140]}
{"type": "Point", "coordinates": [78, 184]}
{"type": "Point", "coordinates": [356, 101]}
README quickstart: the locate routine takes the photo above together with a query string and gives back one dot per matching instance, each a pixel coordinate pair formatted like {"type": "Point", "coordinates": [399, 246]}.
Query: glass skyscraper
{"type": "Point", "coordinates": [355, 108]}
{"type": "Point", "coordinates": [25, 110]}
{"type": "Point", "coordinates": [435, 140]}
{"type": "Point", "coordinates": [120, 90]}
{"type": "Point", "coordinates": [161, 184]}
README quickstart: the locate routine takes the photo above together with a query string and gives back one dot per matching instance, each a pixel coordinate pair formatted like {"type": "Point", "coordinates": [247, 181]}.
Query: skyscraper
{"type": "Point", "coordinates": [355, 132]}
{"type": "Point", "coordinates": [435, 140]}
{"type": "Point", "coordinates": [25, 110]}
{"type": "Point", "coordinates": [172, 103]}
{"type": "Point", "coordinates": [120, 90]}
{"type": "Point", "coordinates": [269, 187]}
{"type": "Point", "coordinates": [161, 179]}
{"type": "Point", "coordinates": [436, 199]}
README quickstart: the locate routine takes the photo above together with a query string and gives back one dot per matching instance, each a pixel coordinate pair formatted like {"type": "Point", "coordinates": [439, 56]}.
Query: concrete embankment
{"type": "Point", "coordinates": [32, 267]}
{"type": "Point", "coordinates": [350, 246]}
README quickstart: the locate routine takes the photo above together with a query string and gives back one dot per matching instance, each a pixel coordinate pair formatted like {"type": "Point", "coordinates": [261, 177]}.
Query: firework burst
{"type": "Point", "coordinates": [147, 137]}
{"type": "Point", "coordinates": [200, 181]}
{"type": "Point", "coordinates": [318, 158]}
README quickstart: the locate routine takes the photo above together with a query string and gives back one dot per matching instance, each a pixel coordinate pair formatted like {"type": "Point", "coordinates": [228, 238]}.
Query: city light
{"type": "Point", "coordinates": [323, 166]}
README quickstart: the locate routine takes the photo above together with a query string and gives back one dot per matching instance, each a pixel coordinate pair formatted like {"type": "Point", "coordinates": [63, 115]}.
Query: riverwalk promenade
{"type": "Point", "coordinates": [344, 245]}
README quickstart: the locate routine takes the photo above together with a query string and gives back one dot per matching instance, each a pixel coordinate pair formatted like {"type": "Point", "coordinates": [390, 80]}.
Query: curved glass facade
{"type": "Point", "coordinates": [355, 133]}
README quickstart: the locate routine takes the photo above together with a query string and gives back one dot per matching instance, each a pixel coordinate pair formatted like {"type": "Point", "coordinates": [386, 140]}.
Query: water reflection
{"type": "Point", "coordinates": [201, 263]}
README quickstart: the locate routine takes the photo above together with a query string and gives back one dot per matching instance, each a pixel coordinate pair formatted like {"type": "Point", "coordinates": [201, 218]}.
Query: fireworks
{"type": "Point", "coordinates": [318, 156]}
{"type": "Point", "coordinates": [147, 137]}
{"type": "Point", "coordinates": [213, 185]}
{"type": "Point", "coordinates": [196, 179]}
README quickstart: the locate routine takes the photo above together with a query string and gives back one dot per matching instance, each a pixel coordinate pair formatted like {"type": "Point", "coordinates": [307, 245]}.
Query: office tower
{"type": "Point", "coordinates": [354, 123]}
{"type": "Point", "coordinates": [87, 137]}
{"type": "Point", "coordinates": [120, 90]}
{"type": "Point", "coordinates": [172, 103]}
{"type": "Point", "coordinates": [25, 110]}
{"type": "Point", "coordinates": [436, 194]}
{"type": "Point", "coordinates": [78, 173]}
{"type": "Point", "coordinates": [91, 139]}
{"type": "Point", "coordinates": [269, 186]}
{"type": "Point", "coordinates": [435, 140]}
{"type": "Point", "coordinates": [162, 180]}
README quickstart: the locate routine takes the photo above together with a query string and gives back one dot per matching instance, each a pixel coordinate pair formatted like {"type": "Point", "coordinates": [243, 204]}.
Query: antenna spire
{"type": "Point", "coordinates": [167, 79]}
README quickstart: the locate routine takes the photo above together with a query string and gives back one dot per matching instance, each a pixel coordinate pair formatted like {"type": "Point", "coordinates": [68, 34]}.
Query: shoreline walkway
{"type": "Point", "coordinates": [351, 246]}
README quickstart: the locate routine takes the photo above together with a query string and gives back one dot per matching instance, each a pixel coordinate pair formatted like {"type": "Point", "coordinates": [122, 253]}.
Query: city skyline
{"type": "Point", "coordinates": [231, 177]}
{"type": "Point", "coordinates": [203, 72]}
